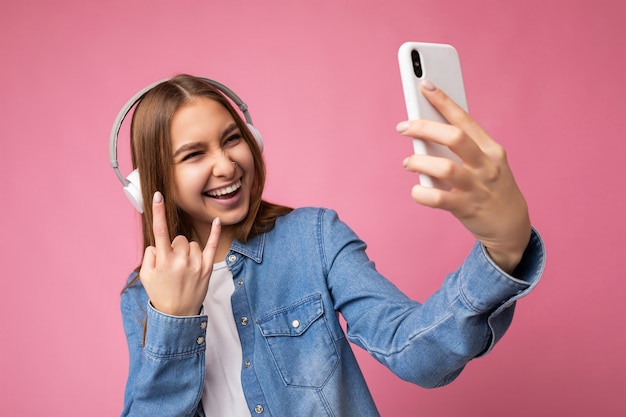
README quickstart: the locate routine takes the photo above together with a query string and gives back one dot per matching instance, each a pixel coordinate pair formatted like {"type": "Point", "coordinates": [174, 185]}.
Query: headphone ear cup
{"type": "Point", "coordinates": [257, 135]}
{"type": "Point", "coordinates": [132, 189]}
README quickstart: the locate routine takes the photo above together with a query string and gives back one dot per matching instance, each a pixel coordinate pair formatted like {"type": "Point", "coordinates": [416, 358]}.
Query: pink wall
{"type": "Point", "coordinates": [544, 77]}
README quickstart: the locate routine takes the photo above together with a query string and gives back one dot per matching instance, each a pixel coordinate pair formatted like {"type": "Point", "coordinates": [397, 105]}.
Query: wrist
{"type": "Point", "coordinates": [177, 312]}
{"type": "Point", "coordinates": [507, 259]}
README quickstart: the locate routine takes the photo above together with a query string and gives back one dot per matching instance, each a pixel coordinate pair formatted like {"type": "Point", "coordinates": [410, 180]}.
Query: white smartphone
{"type": "Point", "coordinates": [440, 64]}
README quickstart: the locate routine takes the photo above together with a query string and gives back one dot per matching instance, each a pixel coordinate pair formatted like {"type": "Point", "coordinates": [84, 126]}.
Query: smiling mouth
{"type": "Point", "coordinates": [224, 193]}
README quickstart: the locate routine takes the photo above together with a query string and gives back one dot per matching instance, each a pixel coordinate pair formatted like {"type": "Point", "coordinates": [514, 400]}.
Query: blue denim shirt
{"type": "Point", "coordinates": [290, 285]}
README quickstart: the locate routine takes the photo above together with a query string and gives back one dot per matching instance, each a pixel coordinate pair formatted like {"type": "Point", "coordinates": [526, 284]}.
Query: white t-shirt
{"type": "Point", "coordinates": [223, 394]}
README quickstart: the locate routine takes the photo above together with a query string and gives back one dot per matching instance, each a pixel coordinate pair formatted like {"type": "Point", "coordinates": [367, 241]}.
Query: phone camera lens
{"type": "Point", "coordinates": [417, 63]}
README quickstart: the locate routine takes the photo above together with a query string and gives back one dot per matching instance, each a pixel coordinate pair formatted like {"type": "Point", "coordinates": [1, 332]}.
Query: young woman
{"type": "Point", "coordinates": [233, 311]}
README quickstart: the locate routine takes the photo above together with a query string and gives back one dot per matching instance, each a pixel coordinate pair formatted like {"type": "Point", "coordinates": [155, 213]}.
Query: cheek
{"type": "Point", "coordinates": [246, 159]}
{"type": "Point", "coordinates": [249, 167]}
{"type": "Point", "coordinates": [182, 183]}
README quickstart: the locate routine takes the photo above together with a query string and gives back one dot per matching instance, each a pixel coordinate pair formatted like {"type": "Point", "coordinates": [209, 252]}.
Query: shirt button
{"type": "Point", "coordinates": [232, 258]}
{"type": "Point", "coordinates": [240, 283]}
{"type": "Point", "coordinates": [295, 324]}
{"type": "Point", "coordinates": [246, 364]}
{"type": "Point", "coordinates": [203, 325]}
{"type": "Point", "coordinates": [244, 321]}
{"type": "Point", "coordinates": [200, 340]}
{"type": "Point", "coordinates": [258, 409]}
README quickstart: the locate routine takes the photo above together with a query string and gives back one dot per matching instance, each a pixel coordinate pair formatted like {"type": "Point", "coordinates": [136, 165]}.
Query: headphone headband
{"type": "Point", "coordinates": [115, 130]}
{"type": "Point", "coordinates": [131, 183]}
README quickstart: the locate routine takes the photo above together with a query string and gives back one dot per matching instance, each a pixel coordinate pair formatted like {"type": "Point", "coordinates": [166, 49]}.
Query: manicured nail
{"type": "Point", "coordinates": [217, 221]}
{"type": "Point", "coordinates": [405, 162]}
{"type": "Point", "coordinates": [428, 85]}
{"type": "Point", "coordinates": [158, 198]}
{"type": "Point", "coordinates": [402, 126]}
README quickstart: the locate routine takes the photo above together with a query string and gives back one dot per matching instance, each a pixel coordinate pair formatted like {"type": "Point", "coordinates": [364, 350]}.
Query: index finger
{"type": "Point", "coordinates": [454, 113]}
{"type": "Point", "coordinates": [162, 240]}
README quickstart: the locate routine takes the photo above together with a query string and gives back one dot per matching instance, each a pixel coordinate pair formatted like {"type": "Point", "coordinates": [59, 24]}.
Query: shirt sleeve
{"type": "Point", "coordinates": [425, 343]}
{"type": "Point", "coordinates": [166, 368]}
{"type": "Point", "coordinates": [488, 289]}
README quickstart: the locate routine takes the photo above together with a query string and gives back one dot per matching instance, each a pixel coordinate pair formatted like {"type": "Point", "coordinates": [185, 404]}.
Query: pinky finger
{"type": "Point", "coordinates": [211, 246]}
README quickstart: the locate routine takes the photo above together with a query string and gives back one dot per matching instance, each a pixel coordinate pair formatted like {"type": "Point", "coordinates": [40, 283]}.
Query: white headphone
{"type": "Point", "coordinates": [132, 183]}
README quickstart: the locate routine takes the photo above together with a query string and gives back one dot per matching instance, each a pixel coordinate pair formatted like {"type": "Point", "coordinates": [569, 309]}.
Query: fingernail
{"type": "Point", "coordinates": [428, 85]}
{"type": "Point", "coordinates": [405, 162]}
{"type": "Point", "coordinates": [402, 126]}
{"type": "Point", "coordinates": [217, 221]}
{"type": "Point", "coordinates": [158, 197]}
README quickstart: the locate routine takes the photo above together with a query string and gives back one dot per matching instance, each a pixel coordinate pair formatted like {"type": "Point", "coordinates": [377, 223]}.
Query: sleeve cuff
{"type": "Point", "coordinates": [172, 336]}
{"type": "Point", "coordinates": [484, 286]}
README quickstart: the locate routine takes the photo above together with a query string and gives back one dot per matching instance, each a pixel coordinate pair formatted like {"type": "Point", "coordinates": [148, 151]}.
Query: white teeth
{"type": "Point", "coordinates": [225, 190]}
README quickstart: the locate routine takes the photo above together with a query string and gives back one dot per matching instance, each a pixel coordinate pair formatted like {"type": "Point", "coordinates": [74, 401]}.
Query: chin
{"type": "Point", "coordinates": [231, 219]}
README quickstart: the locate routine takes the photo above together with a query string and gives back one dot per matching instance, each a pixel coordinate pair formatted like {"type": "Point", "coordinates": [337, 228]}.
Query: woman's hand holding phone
{"type": "Point", "coordinates": [175, 274]}
{"type": "Point", "coordinates": [483, 195]}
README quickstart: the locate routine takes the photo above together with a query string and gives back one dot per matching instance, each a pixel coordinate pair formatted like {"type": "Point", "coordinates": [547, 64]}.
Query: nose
{"type": "Point", "coordinates": [224, 166]}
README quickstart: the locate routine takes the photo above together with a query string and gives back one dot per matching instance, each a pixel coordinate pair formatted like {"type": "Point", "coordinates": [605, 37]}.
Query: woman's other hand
{"type": "Point", "coordinates": [484, 195]}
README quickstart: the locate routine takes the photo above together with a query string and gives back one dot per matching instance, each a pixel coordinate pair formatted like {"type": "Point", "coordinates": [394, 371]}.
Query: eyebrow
{"type": "Point", "coordinates": [198, 145]}
{"type": "Point", "coordinates": [187, 147]}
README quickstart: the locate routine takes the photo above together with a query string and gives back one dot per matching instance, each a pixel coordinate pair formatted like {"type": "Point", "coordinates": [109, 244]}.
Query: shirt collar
{"type": "Point", "coordinates": [252, 249]}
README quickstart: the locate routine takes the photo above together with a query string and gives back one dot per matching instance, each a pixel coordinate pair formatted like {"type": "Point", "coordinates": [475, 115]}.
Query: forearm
{"type": "Point", "coordinates": [479, 300]}
{"type": "Point", "coordinates": [430, 343]}
{"type": "Point", "coordinates": [167, 365]}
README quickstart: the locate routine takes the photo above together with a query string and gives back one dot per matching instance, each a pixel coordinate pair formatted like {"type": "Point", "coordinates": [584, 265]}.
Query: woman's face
{"type": "Point", "coordinates": [212, 164]}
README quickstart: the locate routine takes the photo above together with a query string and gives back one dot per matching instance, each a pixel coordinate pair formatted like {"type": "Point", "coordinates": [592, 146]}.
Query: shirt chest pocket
{"type": "Point", "coordinates": [300, 342]}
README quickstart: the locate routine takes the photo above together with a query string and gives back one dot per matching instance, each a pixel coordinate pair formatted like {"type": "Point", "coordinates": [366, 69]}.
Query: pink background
{"type": "Point", "coordinates": [544, 77]}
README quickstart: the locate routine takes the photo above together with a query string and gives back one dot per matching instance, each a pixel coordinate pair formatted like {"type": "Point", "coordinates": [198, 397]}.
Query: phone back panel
{"type": "Point", "coordinates": [440, 64]}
